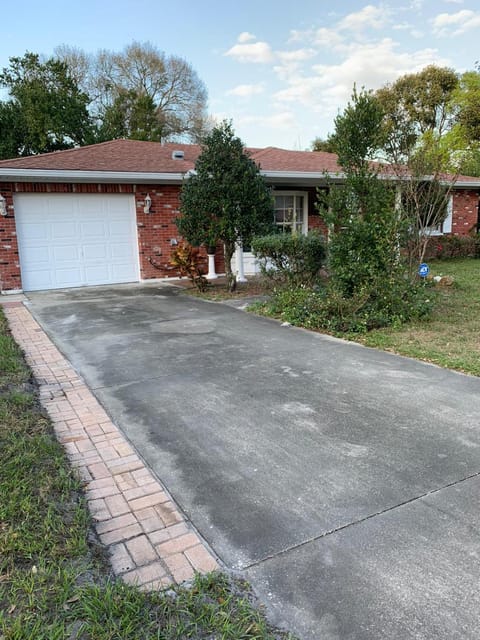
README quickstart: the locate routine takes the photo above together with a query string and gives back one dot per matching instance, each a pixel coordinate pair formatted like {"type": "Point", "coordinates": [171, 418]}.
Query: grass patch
{"type": "Point", "coordinates": [450, 338]}
{"type": "Point", "coordinates": [54, 581]}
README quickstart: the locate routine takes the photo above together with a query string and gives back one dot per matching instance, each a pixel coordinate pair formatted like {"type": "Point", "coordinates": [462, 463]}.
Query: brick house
{"type": "Point", "coordinates": [105, 213]}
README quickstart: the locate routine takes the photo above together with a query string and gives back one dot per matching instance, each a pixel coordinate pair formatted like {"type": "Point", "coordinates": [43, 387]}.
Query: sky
{"type": "Point", "coordinates": [281, 71]}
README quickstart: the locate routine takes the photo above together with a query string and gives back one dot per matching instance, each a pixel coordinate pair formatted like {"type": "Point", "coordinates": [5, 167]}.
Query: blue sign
{"type": "Point", "coordinates": [423, 270]}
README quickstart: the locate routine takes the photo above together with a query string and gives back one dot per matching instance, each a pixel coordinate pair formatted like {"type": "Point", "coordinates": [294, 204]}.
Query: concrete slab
{"type": "Point", "coordinates": [271, 438]}
{"type": "Point", "coordinates": [410, 573]}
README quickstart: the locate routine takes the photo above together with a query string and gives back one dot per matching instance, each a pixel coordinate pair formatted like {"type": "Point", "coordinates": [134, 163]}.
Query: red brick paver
{"type": "Point", "coordinates": [150, 542]}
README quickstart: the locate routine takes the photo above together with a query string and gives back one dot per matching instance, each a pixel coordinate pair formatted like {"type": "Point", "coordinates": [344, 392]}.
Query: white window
{"type": "Point", "coordinates": [446, 225]}
{"type": "Point", "coordinates": [291, 213]}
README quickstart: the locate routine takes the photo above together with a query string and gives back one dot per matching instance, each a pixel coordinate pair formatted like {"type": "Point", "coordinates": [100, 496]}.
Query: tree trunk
{"type": "Point", "coordinates": [229, 249]}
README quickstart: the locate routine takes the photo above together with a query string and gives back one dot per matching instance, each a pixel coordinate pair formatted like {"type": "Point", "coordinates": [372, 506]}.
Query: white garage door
{"type": "Point", "coordinates": [68, 240]}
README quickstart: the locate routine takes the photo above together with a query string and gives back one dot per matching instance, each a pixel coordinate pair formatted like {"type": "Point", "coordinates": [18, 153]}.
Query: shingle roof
{"type": "Point", "coordinates": [153, 157]}
{"type": "Point", "coordinates": [115, 155]}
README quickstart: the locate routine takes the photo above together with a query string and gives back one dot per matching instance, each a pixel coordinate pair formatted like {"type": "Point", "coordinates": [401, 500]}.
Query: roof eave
{"type": "Point", "coordinates": [301, 178]}
{"type": "Point", "coordinates": [56, 175]}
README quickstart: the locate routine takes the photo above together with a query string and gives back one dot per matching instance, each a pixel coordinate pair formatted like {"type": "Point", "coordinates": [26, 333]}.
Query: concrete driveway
{"type": "Point", "coordinates": [342, 481]}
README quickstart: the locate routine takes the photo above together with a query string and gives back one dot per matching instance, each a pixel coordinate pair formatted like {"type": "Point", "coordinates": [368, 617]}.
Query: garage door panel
{"type": "Point", "coordinates": [120, 272]}
{"type": "Point", "coordinates": [97, 274]}
{"type": "Point", "coordinates": [95, 229]}
{"type": "Point", "coordinates": [33, 232]}
{"type": "Point", "coordinates": [95, 252]}
{"type": "Point", "coordinates": [68, 276]}
{"type": "Point", "coordinates": [118, 228]}
{"type": "Point", "coordinates": [121, 250]}
{"type": "Point", "coordinates": [66, 253]}
{"type": "Point", "coordinates": [41, 276]}
{"type": "Point", "coordinates": [63, 230]}
{"type": "Point", "coordinates": [57, 206]}
{"type": "Point", "coordinates": [40, 255]}
{"type": "Point", "coordinates": [69, 240]}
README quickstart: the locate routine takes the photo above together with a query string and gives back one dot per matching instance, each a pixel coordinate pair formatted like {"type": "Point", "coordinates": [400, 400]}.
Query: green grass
{"type": "Point", "coordinates": [55, 583]}
{"type": "Point", "coordinates": [451, 337]}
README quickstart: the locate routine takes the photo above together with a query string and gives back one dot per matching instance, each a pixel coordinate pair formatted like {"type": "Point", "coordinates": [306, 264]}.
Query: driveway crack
{"type": "Point", "coordinates": [361, 520]}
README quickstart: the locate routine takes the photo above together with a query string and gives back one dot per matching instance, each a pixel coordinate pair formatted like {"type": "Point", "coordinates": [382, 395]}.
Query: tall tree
{"type": "Point", "coordinates": [46, 110]}
{"type": "Point", "coordinates": [226, 199]}
{"type": "Point", "coordinates": [141, 79]}
{"type": "Point", "coordinates": [420, 116]}
{"type": "Point", "coordinates": [415, 105]}
{"type": "Point", "coordinates": [364, 226]}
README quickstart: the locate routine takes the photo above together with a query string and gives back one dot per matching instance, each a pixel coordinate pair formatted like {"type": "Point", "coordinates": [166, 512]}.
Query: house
{"type": "Point", "coordinates": [105, 213]}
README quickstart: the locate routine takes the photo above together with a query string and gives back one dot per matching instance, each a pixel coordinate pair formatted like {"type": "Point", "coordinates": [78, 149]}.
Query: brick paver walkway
{"type": "Point", "coordinates": [150, 542]}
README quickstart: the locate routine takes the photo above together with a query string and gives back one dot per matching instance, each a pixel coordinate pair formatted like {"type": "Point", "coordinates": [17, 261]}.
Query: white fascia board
{"type": "Point", "coordinates": [53, 175]}
{"type": "Point", "coordinates": [301, 177]}
{"type": "Point", "coordinates": [466, 185]}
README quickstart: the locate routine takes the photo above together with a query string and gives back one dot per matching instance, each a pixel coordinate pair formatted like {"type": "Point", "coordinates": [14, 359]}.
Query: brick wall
{"type": "Point", "coordinates": [9, 264]}
{"type": "Point", "coordinates": [465, 212]}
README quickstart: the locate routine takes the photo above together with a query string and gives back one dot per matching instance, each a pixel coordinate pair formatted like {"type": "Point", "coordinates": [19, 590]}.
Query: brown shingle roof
{"type": "Point", "coordinates": [115, 155]}
{"type": "Point", "coordinates": [153, 157]}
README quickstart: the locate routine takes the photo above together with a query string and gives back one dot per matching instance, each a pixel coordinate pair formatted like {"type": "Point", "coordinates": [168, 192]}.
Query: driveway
{"type": "Point", "coordinates": [342, 481]}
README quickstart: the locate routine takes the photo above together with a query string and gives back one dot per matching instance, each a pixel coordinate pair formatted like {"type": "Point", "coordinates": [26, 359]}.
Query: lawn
{"type": "Point", "coordinates": [55, 582]}
{"type": "Point", "coordinates": [451, 337]}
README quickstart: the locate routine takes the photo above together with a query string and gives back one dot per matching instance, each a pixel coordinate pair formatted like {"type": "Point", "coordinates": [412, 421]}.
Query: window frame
{"type": "Point", "coordinates": [295, 194]}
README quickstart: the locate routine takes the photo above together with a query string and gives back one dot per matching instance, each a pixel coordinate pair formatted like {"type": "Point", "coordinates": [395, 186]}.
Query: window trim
{"type": "Point", "coordinates": [304, 194]}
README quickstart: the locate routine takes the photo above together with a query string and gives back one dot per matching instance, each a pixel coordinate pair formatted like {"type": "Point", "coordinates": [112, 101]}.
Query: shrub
{"type": "Point", "coordinates": [456, 247]}
{"type": "Point", "coordinates": [188, 261]}
{"type": "Point", "coordinates": [290, 259]}
{"type": "Point", "coordinates": [331, 310]}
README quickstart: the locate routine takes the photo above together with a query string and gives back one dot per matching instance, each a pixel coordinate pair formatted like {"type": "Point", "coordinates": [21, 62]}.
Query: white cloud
{"type": "Point", "coordinates": [370, 65]}
{"type": "Point", "coordinates": [245, 36]}
{"type": "Point", "coordinates": [454, 24]}
{"type": "Point", "coordinates": [246, 90]}
{"type": "Point", "coordinates": [281, 120]}
{"type": "Point", "coordinates": [297, 55]}
{"type": "Point", "coordinates": [257, 52]}
{"type": "Point", "coordinates": [369, 17]}
{"type": "Point", "coordinates": [453, 1]}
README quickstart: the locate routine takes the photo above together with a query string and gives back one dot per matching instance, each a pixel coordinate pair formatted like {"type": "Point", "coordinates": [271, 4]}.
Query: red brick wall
{"type": "Point", "coordinates": [155, 229]}
{"type": "Point", "coordinates": [9, 265]}
{"type": "Point", "coordinates": [314, 220]}
{"type": "Point", "coordinates": [465, 212]}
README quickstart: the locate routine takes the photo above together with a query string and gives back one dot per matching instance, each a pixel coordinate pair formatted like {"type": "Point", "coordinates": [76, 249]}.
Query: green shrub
{"type": "Point", "coordinates": [290, 259]}
{"type": "Point", "coordinates": [447, 247]}
{"type": "Point", "coordinates": [330, 310]}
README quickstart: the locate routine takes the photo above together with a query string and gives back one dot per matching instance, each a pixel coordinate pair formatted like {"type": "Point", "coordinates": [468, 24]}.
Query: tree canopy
{"type": "Point", "coordinates": [76, 98]}
{"type": "Point", "coordinates": [140, 92]}
{"type": "Point", "coordinates": [226, 199]}
{"type": "Point", "coordinates": [45, 109]}
{"type": "Point", "coordinates": [431, 117]}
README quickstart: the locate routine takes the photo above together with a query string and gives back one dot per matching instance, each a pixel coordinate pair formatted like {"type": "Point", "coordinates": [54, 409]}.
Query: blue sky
{"type": "Point", "coordinates": [280, 71]}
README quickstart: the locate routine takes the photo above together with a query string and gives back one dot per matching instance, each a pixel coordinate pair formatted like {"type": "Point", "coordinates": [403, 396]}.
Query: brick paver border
{"type": "Point", "coordinates": [150, 542]}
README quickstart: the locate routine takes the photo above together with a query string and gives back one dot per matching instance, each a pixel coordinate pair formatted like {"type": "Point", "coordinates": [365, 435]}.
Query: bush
{"type": "Point", "coordinates": [188, 261]}
{"type": "Point", "coordinates": [329, 309]}
{"type": "Point", "coordinates": [290, 259]}
{"type": "Point", "coordinates": [455, 247]}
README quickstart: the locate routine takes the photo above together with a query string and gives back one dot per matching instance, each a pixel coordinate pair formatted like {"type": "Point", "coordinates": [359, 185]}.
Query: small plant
{"type": "Point", "coordinates": [291, 259]}
{"type": "Point", "coordinates": [188, 261]}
